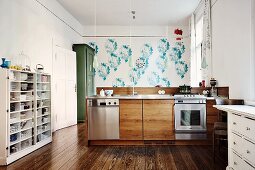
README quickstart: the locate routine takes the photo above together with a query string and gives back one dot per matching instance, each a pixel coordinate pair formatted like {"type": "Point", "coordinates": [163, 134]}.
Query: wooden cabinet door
{"type": "Point", "coordinates": [211, 116]}
{"type": "Point", "coordinates": [158, 119]}
{"type": "Point", "coordinates": [131, 127]}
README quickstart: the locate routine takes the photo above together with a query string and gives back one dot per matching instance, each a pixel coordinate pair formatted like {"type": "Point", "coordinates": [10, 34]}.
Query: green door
{"type": "Point", "coordinates": [85, 77]}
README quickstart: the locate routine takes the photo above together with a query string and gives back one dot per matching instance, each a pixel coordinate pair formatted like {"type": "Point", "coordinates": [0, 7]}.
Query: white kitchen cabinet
{"type": "Point", "coordinates": [240, 145]}
{"type": "Point", "coordinates": [25, 113]}
{"type": "Point", "coordinates": [241, 136]}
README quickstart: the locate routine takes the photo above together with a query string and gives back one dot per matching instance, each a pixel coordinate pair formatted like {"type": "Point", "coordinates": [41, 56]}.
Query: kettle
{"type": "Point", "coordinates": [39, 68]}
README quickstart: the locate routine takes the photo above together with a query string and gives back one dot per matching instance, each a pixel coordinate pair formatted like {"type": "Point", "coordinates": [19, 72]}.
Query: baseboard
{"type": "Point", "coordinates": [2, 161]}
{"type": "Point", "coordinates": [80, 121]}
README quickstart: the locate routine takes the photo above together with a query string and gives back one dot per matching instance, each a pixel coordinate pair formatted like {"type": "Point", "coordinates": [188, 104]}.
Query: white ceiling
{"type": "Point", "coordinates": [118, 12]}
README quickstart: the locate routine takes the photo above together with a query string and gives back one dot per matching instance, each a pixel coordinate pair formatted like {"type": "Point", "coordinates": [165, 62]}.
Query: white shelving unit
{"type": "Point", "coordinates": [25, 111]}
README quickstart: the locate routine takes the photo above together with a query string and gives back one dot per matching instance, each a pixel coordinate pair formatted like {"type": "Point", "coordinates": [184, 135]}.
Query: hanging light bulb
{"type": "Point", "coordinates": [130, 62]}
{"type": "Point", "coordinates": [95, 62]}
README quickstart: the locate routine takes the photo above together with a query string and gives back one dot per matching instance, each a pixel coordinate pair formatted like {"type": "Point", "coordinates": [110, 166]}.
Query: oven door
{"type": "Point", "coordinates": [190, 117]}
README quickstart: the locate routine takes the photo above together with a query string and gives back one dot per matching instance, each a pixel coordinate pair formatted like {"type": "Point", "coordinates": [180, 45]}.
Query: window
{"type": "Point", "coordinates": [196, 74]}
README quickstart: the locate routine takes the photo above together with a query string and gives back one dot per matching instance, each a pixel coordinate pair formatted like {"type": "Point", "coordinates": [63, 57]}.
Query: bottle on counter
{"type": "Point", "coordinates": [102, 93]}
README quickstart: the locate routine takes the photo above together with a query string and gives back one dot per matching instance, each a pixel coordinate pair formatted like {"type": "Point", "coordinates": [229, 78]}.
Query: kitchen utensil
{"type": "Point", "coordinates": [23, 97]}
{"type": "Point", "coordinates": [24, 86]}
{"type": "Point", "coordinates": [7, 63]}
{"type": "Point", "coordinates": [205, 92]}
{"type": "Point", "coordinates": [213, 82]}
{"type": "Point", "coordinates": [13, 137]}
{"type": "Point", "coordinates": [3, 63]}
{"type": "Point", "coordinates": [23, 76]}
{"type": "Point", "coordinates": [44, 78]}
{"type": "Point", "coordinates": [102, 93]}
{"type": "Point", "coordinates": [39, 68]}
{"type": "Point", "coordinates": [161, 92]}
{"type": "Point", "coordinates": [108, 92]}
{"type": "Point", "coordinates": [203, 83]}
{"type": "Point", "coordinates": [185, 89]}
{"type": "Point", "coordinates": [44, 87]}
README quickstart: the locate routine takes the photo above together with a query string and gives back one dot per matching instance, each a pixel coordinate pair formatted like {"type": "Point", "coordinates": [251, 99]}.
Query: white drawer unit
{"type": "Point", "coordinates": [235, 123]}
{"type": "Point", "coordinates": [249, 151]}
{"type": "Point", "coordinates": [236, 162]}
{"type": "Point", "coordinates": [236, 143]}
{"type": "Point", "coordinates": [241, 130]}
{"type": "Point", "coordinates": [248, 127]}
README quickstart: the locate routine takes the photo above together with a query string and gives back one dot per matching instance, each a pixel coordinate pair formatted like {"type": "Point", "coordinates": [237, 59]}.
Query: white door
{"type": "Point", "coordinates": [71, 95]}
{"type": "Point", "coordinates": [64, 84]}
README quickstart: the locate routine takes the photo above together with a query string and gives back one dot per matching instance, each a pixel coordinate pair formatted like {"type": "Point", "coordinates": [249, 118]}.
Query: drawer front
{"type": "Point", "coordinates": [248, 128]}
{"type": "Point", "coordinates": [235, 123]}
{"type": "Point", "coordinates": [238, 163]}
{"type": "Point", "coordinates": [249, 151]}
{"type": "Point", "coordinates": [236, 143]}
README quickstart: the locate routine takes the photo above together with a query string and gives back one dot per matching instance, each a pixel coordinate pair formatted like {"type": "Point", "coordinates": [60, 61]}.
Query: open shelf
{"type": "Point", "coordinates": [28, 116]}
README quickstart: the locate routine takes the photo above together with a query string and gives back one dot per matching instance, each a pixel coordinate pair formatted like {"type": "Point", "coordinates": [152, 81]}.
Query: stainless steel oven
{"type": "Point", "coordinates": [190, 116]}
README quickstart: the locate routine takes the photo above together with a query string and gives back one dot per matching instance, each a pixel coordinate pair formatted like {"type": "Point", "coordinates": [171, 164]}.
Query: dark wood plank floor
{"type": "Point", "coordinates": [68, 151]}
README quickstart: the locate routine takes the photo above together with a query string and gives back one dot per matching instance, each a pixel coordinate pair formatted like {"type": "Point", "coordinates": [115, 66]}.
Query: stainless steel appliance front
{"type": "Point", "coordinates": [190, 117]}
{"type": "Point", "coordinates": [103, 119]}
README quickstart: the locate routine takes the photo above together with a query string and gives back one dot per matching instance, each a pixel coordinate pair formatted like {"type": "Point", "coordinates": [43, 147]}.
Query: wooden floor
{"type": "Point", "coordinates": [68, 151]}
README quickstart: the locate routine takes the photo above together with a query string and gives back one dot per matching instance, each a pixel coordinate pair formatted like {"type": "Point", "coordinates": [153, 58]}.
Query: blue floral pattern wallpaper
{"type": "Point", "coordinates": [156, 61]}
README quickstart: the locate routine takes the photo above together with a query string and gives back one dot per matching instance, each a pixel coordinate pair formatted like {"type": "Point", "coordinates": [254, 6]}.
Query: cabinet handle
{"type": "Point", "coordinates": [235, 163]}
{"type": "Point", "coordinates": [247, 128]}
{"type": "Point", "coordinates": [248, 151]}
{"type": "Point", "coordinates": [234, 123]}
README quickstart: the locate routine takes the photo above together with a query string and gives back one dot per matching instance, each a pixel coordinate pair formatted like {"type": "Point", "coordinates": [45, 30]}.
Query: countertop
{"type": "Point", "coordinates": [145, 96]}
{"type": "Point", "coordinates": [149, 96]}
{"type": "Point", "coordinates": [239, 109]}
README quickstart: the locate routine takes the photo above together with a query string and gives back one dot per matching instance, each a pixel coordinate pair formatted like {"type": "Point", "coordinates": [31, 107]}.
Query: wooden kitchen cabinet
{"type": "Point", "coordinates": [131, 115]}
{"type": "Point", "coordinates": [211, 116]}
{"type": "Point", "coordinates": [158, 120]}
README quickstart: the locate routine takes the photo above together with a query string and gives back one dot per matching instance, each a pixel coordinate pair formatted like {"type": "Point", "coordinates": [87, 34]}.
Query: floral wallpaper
{"type": "Point", "coordinates": [156, 61]}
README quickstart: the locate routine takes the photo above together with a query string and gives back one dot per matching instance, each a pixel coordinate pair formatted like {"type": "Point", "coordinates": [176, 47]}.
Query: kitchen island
{"type": "Point", "coordinates": [148, 118]}
{"type": "Point", "coordinates": [142, 119]}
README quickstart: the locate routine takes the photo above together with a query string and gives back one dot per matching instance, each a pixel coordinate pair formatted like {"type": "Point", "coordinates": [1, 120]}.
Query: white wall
{"type": "Point", "coordinates": [253, 51]}
{"type": "Point", "coordinates": [123, 70]}
{"type": "Point", "coordinates": [232, 47]}
{"type": "Point", "coordinates": [27, 26]}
